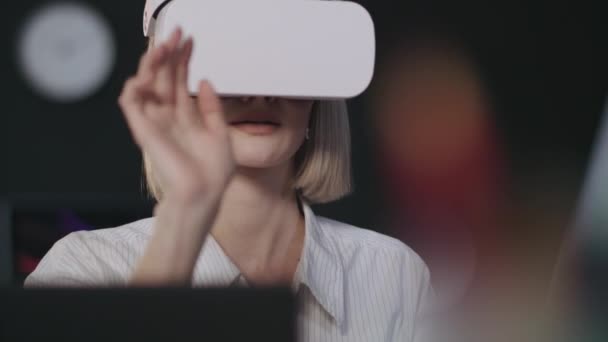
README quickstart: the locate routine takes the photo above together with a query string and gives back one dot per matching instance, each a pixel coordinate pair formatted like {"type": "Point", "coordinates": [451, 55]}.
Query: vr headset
{"type": "Point", "coordinates": [295, 49]}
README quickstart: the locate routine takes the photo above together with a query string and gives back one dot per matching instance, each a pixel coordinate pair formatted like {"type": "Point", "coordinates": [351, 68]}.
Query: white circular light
{"type": "Point", "coordinates": [66, 51]}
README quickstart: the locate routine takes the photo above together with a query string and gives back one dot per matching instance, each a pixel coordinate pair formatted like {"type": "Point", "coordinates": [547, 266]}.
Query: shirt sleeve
{"type": "Point", "coordinates": [418, 297]}
{"type": "Point", "coordinates": [78, 260]}
{"type": "Point", "coordinates": [424, 317]}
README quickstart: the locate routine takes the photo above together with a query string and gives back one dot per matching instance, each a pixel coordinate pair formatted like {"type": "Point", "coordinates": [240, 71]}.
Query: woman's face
{"type": "Point", "coordinates": [266, 131]}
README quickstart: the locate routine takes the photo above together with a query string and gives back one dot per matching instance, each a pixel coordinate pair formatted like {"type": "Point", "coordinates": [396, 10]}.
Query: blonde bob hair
{"type": "Point", "coordinates": [322, 164]}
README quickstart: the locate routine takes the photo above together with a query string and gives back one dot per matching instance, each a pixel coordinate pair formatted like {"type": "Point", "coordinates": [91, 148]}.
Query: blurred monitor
{"type": "Point", "coordinates": [591, 240]}
{"type": "Point", "coordinates": [582, 271]}
{"type": "Point", "coordinates": [234, 314]}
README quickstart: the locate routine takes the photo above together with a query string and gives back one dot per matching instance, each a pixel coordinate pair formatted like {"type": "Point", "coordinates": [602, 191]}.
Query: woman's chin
{"type": "Point", "coordinates": [256, 161]}
{"type": "Point", "coordinates": [265, 151]}
{"type": "Point", "coordinates": [262, 152]}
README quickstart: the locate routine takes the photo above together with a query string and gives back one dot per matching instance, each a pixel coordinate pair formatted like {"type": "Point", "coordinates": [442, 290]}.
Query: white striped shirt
{"type": "Point", "coordinates": [353, 284]}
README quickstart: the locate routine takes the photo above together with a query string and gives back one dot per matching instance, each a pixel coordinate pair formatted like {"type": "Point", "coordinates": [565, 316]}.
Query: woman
{"type": "Point", "coordinates": [233, 178]}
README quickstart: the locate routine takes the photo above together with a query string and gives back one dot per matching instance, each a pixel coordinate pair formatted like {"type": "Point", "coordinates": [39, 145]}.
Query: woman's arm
{"type": "Point", "coordinates": [171, 253]}
{"type": "Point", "coordinates": [190, 151]}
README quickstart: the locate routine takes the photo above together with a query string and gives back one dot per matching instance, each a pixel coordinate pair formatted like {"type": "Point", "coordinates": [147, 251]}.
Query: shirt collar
{"type": "Point", "coordinates": [214, 267]}
{"type": "Point", "coordinates": [320, 267]}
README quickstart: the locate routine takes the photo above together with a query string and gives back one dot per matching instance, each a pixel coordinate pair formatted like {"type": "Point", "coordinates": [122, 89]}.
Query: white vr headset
{"type": "Point", "coordinates": [295, 49]}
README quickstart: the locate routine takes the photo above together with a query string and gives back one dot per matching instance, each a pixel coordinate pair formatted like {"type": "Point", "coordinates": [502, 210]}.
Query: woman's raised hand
{"type": "Point", "coordinates": [185, 138]}
{"type": "Point", "coordinates": [187, 142]}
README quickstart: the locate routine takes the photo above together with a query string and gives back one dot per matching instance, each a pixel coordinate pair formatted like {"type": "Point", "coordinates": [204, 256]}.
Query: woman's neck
{"type": "Point", "coordinates": [259, 224]}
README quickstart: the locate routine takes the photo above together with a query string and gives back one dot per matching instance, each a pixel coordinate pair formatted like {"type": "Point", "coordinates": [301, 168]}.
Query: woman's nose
{"type": "Point", "coordinates": [261, 99]}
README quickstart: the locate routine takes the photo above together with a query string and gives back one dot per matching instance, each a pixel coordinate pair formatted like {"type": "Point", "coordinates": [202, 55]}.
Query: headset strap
{"type": "Point", "coordinates": [151, 10]}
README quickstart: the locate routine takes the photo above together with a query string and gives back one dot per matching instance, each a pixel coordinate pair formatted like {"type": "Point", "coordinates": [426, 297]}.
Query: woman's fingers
{"type": "Point", "coordinates": [183, 63]}
{"type": "Point", "coordinates": [165, 80]}
{"type": "Point", "coordinates": [148, 133]}
{"type": "Point", "coordinates": [186, 111]}
{"type": "Point", "coordinates": [132, 102]}
{"type": "Point", "coordinates": [210, 107]}
{"type": "Point", "coordinates": [151, 61]}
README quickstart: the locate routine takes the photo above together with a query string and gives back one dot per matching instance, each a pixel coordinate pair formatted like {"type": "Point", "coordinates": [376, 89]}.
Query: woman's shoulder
{"type": "Point", "coordinates": [126, 237]}
{"type": "Point", "coordinates": [349, 237]}
{"type": "Point", "coordinates": [377, 262]}
{"type": "Point", "coordinates": [126, 233]}
{"type": "Point", "coordinates": [102, 256]}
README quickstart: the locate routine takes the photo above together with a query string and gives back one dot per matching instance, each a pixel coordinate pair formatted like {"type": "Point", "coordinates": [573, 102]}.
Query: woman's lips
{"type": "Point", "coordinates": [256, 128]}
{"type": "Point", "coordinates": [256, 122]}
